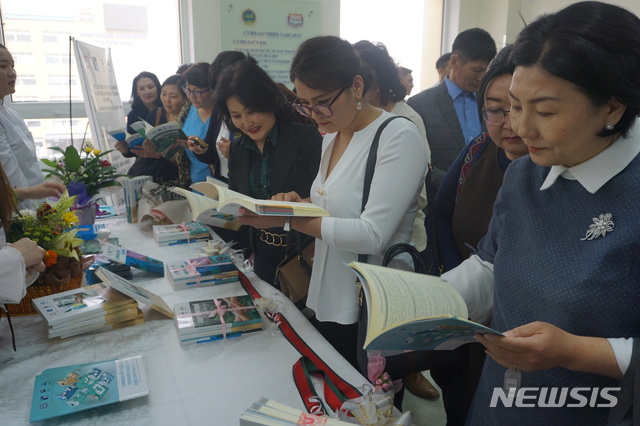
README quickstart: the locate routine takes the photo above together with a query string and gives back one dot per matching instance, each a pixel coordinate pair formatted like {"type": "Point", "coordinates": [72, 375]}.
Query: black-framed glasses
{"type": "Point", "coordinates": [196, 93]}
{"type": "Point", "coordinates": [494, 116]}
{"type": "Point", "coordinates": [322, 110]}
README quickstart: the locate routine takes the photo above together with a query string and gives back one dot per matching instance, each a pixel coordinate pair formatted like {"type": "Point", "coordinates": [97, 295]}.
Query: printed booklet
{"type": "Point", "coordinates": [66, 390]}
{"type": "Point", "coordinates": [410, 311]}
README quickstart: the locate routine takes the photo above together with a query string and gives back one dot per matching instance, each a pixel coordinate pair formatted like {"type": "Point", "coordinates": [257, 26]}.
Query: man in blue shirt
{"type": "Point", "coordinates": [450, 110]}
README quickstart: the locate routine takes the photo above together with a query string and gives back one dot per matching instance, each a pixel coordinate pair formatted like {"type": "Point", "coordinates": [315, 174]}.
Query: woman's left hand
{"type": "Point", "coordinates": [261, 222]}
{"type": "Point", "coordinates": [531, 347]}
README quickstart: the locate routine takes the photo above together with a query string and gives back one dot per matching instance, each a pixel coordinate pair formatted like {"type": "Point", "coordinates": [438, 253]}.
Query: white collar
{"type": "Point", "coordinates": [595, 172]}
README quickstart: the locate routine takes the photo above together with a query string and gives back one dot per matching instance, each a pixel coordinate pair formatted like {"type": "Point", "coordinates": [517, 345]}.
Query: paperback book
{"type": "Point", "coordinates": [410, 311]}
{"type": "Point", "coordinates": [180, 233]}
{"type": "Point", "coordinates": [205, 210]}
{"type": "Point", "coordinates": [132, 188]}
{"type": "Point", "coordinates": [113, 317]}
{"type": "Point", "coordinates": [133, 140]}
{"type": "Point", "coordinates": [143, 296]}
{"type": "Point", "coordinates": [80, 304]}
{"type": "Point", "coordinates": [131, 258]}
{"type": "Point", "coordinates": [199, 321]}
{"type": "Point", "coordinates": [70, 389]}
{"type": "Point", "coordinates": [202, 272]}
{"type": "Point", "coordinates": [163, 136]}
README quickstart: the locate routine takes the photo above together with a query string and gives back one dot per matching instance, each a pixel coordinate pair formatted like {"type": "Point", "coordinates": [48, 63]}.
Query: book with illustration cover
{"type": "Point", "coordinates": [70, 389]}
{"type": "Point", "coordinates": [410, 311]}
{"type": "Point", "coordinates": [163, 136]}
{"type": "Point", "coordinates": [132, 188]}
{"type": "Point", "coordinates": [133, 140]}
{"type": "Point", "coordinates": [197, 321]}
{"type": "Point", "coordinates": [202, 272]}
{"type": "Point", "coordinates": [187, 232]}
{"type": "Point", "coordinates": [143, 296]}
{"type": "Point", "coordinates": [131, 258]}
{"type": "Point", "coordinates": [79, 304]}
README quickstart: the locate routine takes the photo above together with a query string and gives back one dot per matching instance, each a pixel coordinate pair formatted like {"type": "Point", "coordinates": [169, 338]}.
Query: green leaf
{"type": "Point", "coordinates": [72, 158]}
{"type": "Point", "coordinates": [49, 162]}
{"type": "Point", "coordinates": [57, 148]}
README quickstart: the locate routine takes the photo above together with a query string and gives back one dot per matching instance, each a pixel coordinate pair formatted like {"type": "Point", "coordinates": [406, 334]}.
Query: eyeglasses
{"type": "Point", "coordinates": [494, 116]}
{"type": "Point", "coordinates": [196, 93]}
{"type": "Point", "coordinates": [322, 110]}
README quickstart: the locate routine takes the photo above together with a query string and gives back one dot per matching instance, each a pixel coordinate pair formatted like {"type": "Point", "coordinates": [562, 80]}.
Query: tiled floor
{"type": "Point", "coordinates": [425, 411]}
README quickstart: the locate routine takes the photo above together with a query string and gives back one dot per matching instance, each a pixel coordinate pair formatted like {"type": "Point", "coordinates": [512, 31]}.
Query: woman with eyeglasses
{"type": "Point", "coordinates": [273, 155]}
{"type": "Point", "coordinates": [464, 202]}
{"type": "Point", "coordinates": [197, 122]}
{"type": "Point", "coordinates": [326, 72]}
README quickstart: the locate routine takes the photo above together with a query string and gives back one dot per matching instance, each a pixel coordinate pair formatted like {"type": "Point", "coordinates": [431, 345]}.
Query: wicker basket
{"type": "Point", "coordinates": [65, 275]}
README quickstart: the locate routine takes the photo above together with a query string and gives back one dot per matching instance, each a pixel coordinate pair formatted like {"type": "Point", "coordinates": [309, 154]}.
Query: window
{"type": "Point", "coordinates": [51, 37]}
{"type": "Point", "coordinates": [26, 80]}
{"type": "Point", "coordinates": [18, 36]}
{"type": "Point", "coordinates": [33, 123]}
{"type": "Point", "coordinates": [58, 59]}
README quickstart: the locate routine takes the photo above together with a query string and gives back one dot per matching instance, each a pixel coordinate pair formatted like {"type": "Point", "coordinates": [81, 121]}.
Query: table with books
{"type": "Point", "coordinates": [211, 383]}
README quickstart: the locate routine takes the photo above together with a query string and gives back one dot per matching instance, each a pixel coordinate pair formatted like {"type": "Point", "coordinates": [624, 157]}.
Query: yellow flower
{"type": "Point", "coordinates": [70, 217]}
{"type": "Point", "coordinates": [96, 152]}
{"type": "Point", "coordinates": [88, 150]}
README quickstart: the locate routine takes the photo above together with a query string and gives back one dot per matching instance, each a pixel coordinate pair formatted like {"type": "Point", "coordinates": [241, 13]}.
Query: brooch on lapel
{"type": "Point", "coordinates": [599, 228]}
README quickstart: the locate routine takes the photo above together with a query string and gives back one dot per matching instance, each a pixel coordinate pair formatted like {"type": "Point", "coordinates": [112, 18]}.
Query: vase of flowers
{"type": "Point", "coordinates": [85, 173]}
{"type": "Point", "coordinates": [53, 227]}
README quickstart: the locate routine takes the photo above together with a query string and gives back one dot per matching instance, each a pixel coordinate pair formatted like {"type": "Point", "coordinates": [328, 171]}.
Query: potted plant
{"type": "Point", "coordinates": [84, 173]}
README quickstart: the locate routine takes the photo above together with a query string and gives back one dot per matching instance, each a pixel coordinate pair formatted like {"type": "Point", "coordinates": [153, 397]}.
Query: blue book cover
{"type": "Point", "coordinates": [70, 389]}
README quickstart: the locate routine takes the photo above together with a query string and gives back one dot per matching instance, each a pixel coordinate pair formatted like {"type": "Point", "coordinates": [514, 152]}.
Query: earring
{"type": "Point", "coordinates": [359, 106]}
{"type": "Point", "coordinates": [609, 126]}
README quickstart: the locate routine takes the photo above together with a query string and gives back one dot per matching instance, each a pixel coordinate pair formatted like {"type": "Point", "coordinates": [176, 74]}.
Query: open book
{"type": "Point", "coordinates": [163, 136]}
{"type": "Point", "coordinates": [230, 202]}
{"type": "Point", "coordinates": [122, 135]}
{"type": "Point", "coordinates": [413, 311]}
{"type": "Point", "coordinates": [205, 210]}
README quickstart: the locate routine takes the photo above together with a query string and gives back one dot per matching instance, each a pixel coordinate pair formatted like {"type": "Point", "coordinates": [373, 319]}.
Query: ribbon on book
{"type": "Point", "coordinates": [192, 269]}
{"type": "Point", "coordinates": [220, 310]}
{"type": "Point", "coordinates": [186, 230]}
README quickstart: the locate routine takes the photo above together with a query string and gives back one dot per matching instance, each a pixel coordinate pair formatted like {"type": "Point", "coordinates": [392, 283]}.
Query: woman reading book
{"type": "Point", "coordinates": [326, 72]}
{"type": "Point", "coordinates": [273, 155]}
{"type": "Point", "coordinates": [558, 270]}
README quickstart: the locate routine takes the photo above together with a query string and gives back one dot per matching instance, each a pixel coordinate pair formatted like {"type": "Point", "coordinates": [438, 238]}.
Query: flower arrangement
{"type": "Point", "coordinates": [84, 174]}
{"type": "Point", "coordinates": [52, 226]}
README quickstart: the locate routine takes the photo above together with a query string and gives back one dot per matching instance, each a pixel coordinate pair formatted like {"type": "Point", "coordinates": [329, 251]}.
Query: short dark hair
{"type": "Point", "coordinates": [197, 75]}
{"type": "Point", "coordinates": [325, 63]}
{"type": "Point", "coordinates": [474, 44]}
{"type": "Point", "coordinates": [593, 45]}
{"type": "Point", "coordinates": [221, 62]}
{"type": "Point", "coordinates": [177, 80]}
{"type": "Point", "coordinates": [443, 60]}
{"type": "Point", "coordinates": [253, 88]}
{"type": "Point", "coordinates": [498, 67]}
{"type": "Point", "coordinates": [136, 102]}
{"type": "Point", "coordinates": [384, 71]}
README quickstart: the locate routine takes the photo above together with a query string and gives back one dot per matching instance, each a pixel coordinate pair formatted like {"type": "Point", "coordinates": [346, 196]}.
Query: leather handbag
{"type": "Point", "coordinates": [293, 274]}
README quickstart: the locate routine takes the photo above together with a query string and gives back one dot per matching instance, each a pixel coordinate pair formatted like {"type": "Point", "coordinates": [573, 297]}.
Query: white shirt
{"type": "Point", "coordinates": [18, 151]}
{"type": "Point", "coordinates": [473, 278]}
{"type": "Point", "coordinates": [224, 161]}
{"type": "Point", "coordinates": [13, 286]}
{"type": "Point", "coordinates": [387, 219]}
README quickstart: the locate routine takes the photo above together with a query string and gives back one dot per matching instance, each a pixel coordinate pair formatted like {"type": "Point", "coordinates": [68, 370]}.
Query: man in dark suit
{"type": "Point", "coordinates": [449, 110]}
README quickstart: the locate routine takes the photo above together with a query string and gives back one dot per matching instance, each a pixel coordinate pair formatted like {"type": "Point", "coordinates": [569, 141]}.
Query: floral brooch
{"type": "Point", "coordinates": [599, 228]}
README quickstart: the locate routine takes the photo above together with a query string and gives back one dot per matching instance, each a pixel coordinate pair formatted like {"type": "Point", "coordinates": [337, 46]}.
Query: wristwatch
{"type": "Point", "coordinates": [287, 224]}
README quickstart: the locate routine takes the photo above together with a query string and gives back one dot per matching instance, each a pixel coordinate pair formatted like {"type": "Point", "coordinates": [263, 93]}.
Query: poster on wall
{"type": "Point", "coordinates": [269, 31]}
{"type": "Point", "coordinates": [102, 104]}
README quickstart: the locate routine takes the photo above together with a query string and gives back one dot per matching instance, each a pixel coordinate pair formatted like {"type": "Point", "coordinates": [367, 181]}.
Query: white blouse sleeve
{"type": "Point", "coordinates": [399, 175]}
{"type": "Point", "coordinates": [473, 279]}
{"type": "Point", "coordinates": [13, 286]}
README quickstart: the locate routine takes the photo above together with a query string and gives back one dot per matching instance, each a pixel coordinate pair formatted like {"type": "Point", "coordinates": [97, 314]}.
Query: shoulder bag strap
{"type": "Point", "coordinates": [370, 169]}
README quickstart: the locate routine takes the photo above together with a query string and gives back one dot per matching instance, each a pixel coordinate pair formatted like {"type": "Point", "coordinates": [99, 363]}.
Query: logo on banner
{"type": "Point", "coordinates": [554, 397]}
{"type": "Point", "coordinates": [249, 17]}
{"type": "Point", "coordinates": [295, 20]}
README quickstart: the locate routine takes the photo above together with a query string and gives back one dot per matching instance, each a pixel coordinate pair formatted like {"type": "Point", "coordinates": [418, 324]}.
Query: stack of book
{"type": "Point", "coordinates": [132, 193]}
{"type": "Point", "coordinates": [199, 321]}
{"type": "Point", "coordinates": [87, 309]}
{"type": "Point", "coordinates": [202, 272]}
{"type": "Point", "coordinates": [266, 412]}
{"type": "Point", "coordinates": [169, 235]}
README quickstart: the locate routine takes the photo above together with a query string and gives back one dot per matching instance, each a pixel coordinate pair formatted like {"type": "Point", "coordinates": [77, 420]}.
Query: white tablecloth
{"type": "Point", "coordinates": [207, 384]}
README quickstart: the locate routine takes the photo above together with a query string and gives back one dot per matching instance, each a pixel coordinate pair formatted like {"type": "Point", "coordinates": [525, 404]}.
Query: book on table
{"type": "Point", "coordinates": [131, 258]}
{"type": "Point", "coordinates": [122, 318]}
{"type": "Point", "coordinates": [132, 188]}
{"type": "Point", "coordinates": [202, 272]}
{"type": "Point", "coordinates": [198, 321]}
{"type": "Point", "coordinates": [80, 304]}
{"type": "Point", "coordinates": [143, 296]}
{"type": "Point", "coordinates": [266, 412]}
{"type": "Point", "coordinates": [230, 202]}
{"type": "Point", "coordinates": [70, 389]}
{"type": "Point", "coordinates": [163, 136]}
{"type": "Point", "coordinates": [410, 311]}
{"type": "Point", "coordinates": [189, 232]}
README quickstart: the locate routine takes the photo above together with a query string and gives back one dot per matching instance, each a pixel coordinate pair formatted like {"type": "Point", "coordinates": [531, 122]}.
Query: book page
{"type": "Point", "coordinates": [395, 296]}
{"type": "Point", "coordinates": [205, 210]}
{"type": "Point", "coordinates": [164, 137]}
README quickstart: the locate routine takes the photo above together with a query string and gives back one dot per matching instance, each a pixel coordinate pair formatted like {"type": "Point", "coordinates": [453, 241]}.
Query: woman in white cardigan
{"type": "Point", "coordinates": [326, 72]}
